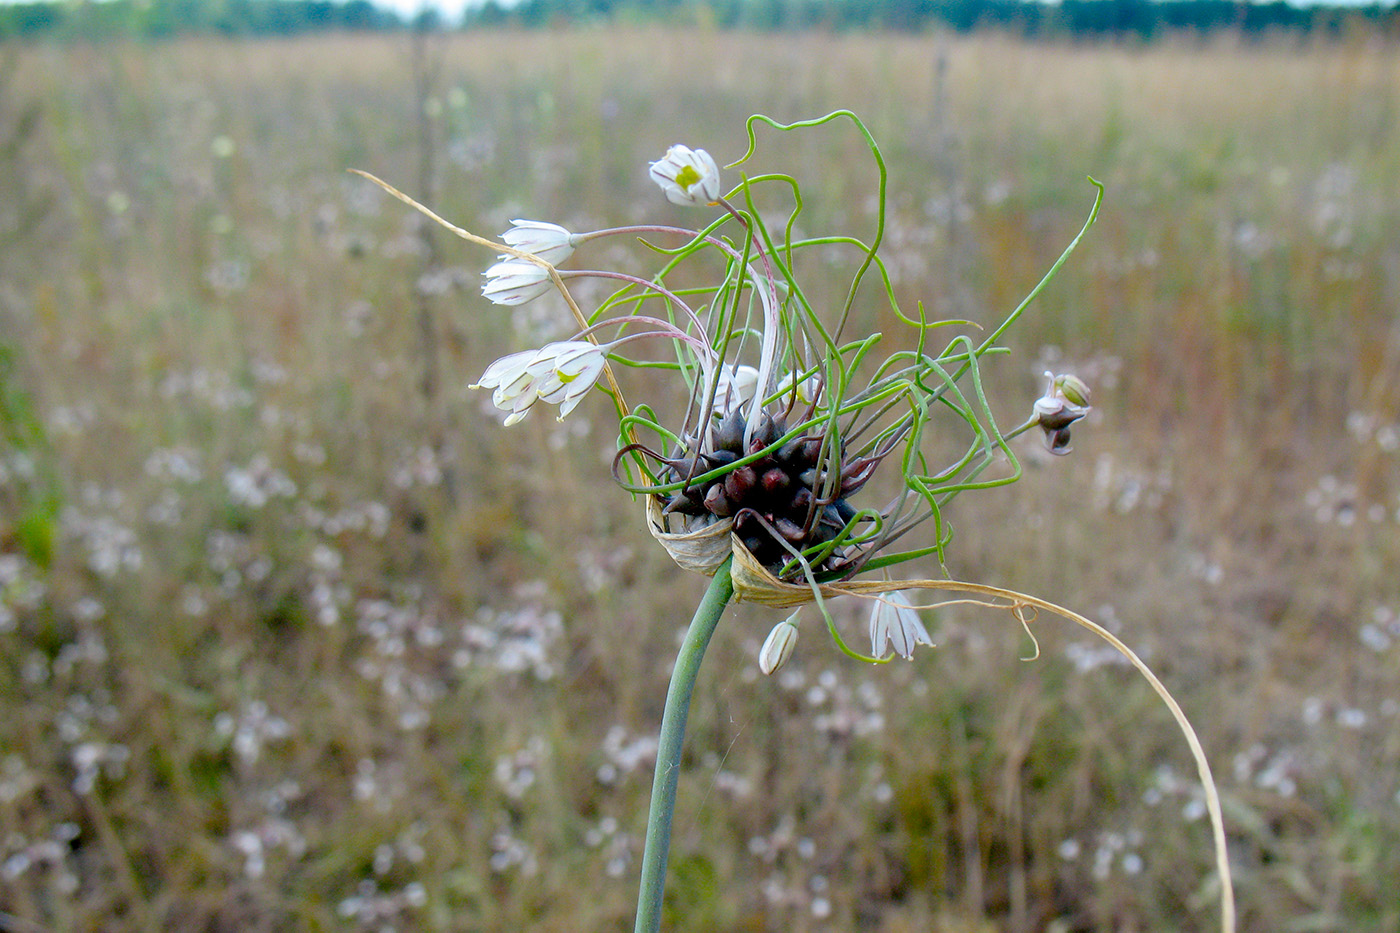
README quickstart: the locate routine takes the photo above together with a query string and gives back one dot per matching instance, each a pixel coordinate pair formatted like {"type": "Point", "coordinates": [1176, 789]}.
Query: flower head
{"type": "Point", "coordinates": [559, 373]}
{"type": "Point", "coordinates": [550, 242]}
{"type": "Point", "coordinates": [688, 176]}
{"type": "Point", "coordinates": [1065, 401]}
{"type": "Point", "coordinates": [894, 622]}
{"type": "Point", "coordinates": [515, 281]}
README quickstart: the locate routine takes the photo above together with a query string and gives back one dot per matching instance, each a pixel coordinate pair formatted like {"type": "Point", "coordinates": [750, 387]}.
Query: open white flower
{"type": "Point", "coordinates": [559, 373]}
{"type": "Point", "coordinates": [689, 177]}
{"type": "Point", "coordinates": [895, 623]}
{"type": "Point", "coordinates": [515, 281]}
{"type": "Point", "coordinates": [550, 242]}
{"type": "Point", "coordinates": [569, 369]}
{"type": "Point", "coordinates": [515, 388]}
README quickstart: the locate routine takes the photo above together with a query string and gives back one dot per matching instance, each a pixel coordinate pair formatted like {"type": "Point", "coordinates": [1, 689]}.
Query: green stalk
{"type": "Point", "coordinates": [668, 751]}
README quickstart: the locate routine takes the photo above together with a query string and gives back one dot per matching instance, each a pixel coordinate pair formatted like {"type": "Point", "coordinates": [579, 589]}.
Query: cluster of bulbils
{"type": "Point", "coordinates": [785, 499]}
{"type": "Point", "coordinates": [783, 502]}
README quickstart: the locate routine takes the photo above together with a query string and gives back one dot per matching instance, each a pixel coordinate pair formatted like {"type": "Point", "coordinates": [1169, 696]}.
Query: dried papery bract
{"type": "Point", "coordinates": [701, 548]}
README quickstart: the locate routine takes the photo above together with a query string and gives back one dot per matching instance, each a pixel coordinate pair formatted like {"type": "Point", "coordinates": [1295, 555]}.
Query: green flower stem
{"type": "Point", "coordinates": [668, 752]}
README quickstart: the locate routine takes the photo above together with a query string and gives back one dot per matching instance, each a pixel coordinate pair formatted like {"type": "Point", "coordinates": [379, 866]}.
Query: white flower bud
{"type": "Point", "coordinates": [1072, 388]}
{"type": "Point", "coordinates": [779, 645]}
{"type": "Point", "coordinates": [736, 387]}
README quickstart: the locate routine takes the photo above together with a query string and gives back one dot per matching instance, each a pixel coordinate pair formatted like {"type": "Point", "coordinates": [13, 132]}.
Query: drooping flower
{"type": "Point", "coordinates": [569, 369]}
{"type": "Point", "coordinates": [515, 389]}
{"type": "Point", "coordinates": [895, 623]}
{"type": "Point", "coordinates": [1065, 401]}
{"type": "Point", "coordinates": [558, 373]}
{"type": "Point", "coordinates": [689, 177]}
{"type": "Point", "coordinates": [779, 645]}
{"type": "Point", "coordinates": [550, 242]}
{"type": "Point", "coordinates": [515, 281]}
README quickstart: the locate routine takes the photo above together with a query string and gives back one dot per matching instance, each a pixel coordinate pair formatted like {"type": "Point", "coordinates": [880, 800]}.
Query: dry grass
{"type": "Point", "coordinates": [319, 649]}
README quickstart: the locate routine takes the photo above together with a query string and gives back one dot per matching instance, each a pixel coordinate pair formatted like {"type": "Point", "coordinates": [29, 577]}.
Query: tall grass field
{"type": "Point", "coordinates": [295, 636]}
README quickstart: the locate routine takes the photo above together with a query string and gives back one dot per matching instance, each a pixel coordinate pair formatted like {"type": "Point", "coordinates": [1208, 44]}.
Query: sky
{"type": "Point", "coordinates": [451, 9]}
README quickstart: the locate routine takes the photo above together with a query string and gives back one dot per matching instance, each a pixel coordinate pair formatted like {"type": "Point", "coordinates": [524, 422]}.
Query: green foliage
{"type": "Point", "coordinates": [1133, 19]}
{"type": "Point", "coordinates": [31, 496]}
{"type": "Point", "coordinates": [161, 19]}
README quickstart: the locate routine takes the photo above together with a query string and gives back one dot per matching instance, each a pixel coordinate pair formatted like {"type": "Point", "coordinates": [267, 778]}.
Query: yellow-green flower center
{"type": "Point", "coordinates": [688, 177]}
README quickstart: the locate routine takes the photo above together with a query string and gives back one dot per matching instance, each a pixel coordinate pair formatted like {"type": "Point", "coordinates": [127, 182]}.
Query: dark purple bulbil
{"type": "Point", "coordinates": [774, 498]}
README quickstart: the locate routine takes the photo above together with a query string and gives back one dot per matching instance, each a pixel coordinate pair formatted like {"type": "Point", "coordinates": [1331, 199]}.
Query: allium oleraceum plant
{"type": "Point", "coordinates": [785, 417]}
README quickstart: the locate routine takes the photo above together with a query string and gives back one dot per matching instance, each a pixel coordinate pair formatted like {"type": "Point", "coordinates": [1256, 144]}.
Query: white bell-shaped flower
{"type": "Point", "coordinates": [559, 373]}
{"type": "Point", "coordinates": [895, 623]}
{"type": "Point", "coordinates": [550, 242]}
{"type": "Point", "coordinates": [515, 281]}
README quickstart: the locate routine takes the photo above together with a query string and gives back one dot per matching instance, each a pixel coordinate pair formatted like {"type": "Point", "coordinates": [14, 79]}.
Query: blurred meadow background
{"type": "Point", "coordinates": [293, 635]}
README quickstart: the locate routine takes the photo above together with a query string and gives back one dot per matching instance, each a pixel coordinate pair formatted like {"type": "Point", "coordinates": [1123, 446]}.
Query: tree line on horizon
{"type": "Point", "coordinates": [1068, 19]}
